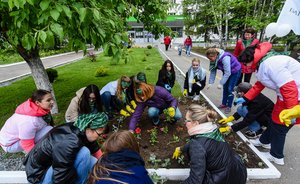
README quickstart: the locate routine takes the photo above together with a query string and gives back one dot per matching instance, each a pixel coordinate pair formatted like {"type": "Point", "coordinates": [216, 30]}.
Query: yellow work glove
{"type": "Point", "coordinates": [176, 153]}
{"type": "Point", "coordinates": [288, 115]}
{"type": "Point", "coordinates": [171, 111]}
{"type": "Point", "coordinates": [132, 102]}
{"type": "Point", "coordinates": [193, 81]}
{"type": "Point", "coordinates": [226, 129]}
{"type": "Point", "coordinates": [226, 120]}
{"type": "Point", "coordinates": [129, 109]}
{"type": "Point", "coordinates": [185, 92]}
{"type": "Point", "coordinates": [124, 113]}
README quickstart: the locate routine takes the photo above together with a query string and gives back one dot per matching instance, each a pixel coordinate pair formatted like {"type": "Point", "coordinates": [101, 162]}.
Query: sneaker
{"type": "Point", "coordinates": [279, 161]}
{"type": "Point", "coordinates": [256, 142]}
{"type": "Point", "coordinates": [155, 122]}
{"type": "Point", "coordinates": [227, 110]}
{"type": "Point", "coordinates": [222, 106]}
{"type": "Point", "coordinates": [253, 134]}
{"type": "Point", "coordinates": [196, 98]}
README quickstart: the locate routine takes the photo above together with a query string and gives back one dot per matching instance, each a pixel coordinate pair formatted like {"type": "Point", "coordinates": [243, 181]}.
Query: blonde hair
{"type": "Point", "coordinates": [118, 141]}
{"type": "Point", "coordinates": [212, 51]}
{"type": "Point", "coordinates": [147, 91]}
{"type": "Point", "coordinates": [201, 114]}
{"type": "Point", "coordinates": [119, 87]}
{"type": "Point", "coordinates": [196, 60]}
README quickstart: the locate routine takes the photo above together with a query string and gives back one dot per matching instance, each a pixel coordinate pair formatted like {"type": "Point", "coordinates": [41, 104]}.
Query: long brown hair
{"type": "Point", "coordinates": [122, 139]}
{"type": "Point", "coordinates": [143, 92]}
{"type": "Point", "coordinates": [119, 87]}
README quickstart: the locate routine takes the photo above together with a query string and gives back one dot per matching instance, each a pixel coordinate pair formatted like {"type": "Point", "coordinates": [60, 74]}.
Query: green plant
{"type": "Point", "coordinates": [149, 46]}
{"type": "Point", "coordinates": [181, 160]}
{"type": "Point", "coordinates": [164, 129]}
{"type": "Point", "coordinates": [157, 179]}
{"type": "Point", "coordinates": [174, 140]}
{"type": "Point", "coordinates": [92, 56]}
{"type": "Point", "coordinates": [147, 53]}
{"type": "Point", "coordinates": [144, 59]}
{"type": "Point", "coordinates": [52, 74]}
{"type": "Point", "coordinates": [101, 71]}
{"type": "Point", "coordinates": [153, 136]}
{"type": "Point", "coordinates": [166, 163]}
{"type": "Point", "coordinates": [168, 118]}
{"type": "Point", "coordinates": [154, 161]}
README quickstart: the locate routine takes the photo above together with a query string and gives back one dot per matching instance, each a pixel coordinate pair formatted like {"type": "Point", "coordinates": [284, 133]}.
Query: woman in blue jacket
{"type": "Point", "coordinates": [121, 162]}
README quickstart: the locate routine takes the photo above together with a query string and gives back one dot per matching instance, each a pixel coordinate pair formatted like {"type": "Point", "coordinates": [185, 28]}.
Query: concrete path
{"type": "Point", "coordinates": [290, 171]}
{"type": "Point", "coordinates": [12, 72]}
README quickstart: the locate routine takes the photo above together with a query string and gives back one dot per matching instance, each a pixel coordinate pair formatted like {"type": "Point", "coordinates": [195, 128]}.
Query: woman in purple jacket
{"type": "Point", "coordinates": [157, 99]}
{"type": "Point", "coordinates": [231, 68]}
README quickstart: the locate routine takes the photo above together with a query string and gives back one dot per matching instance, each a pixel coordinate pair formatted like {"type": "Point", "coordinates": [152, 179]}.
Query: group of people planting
{"type": "Point", "coordinates": [70, 152]}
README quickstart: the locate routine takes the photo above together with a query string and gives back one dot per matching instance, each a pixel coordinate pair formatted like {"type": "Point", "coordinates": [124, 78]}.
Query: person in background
{"type": "Point", "coordinates": [30, 122]}
{"type": "Point", "coordinates": [256, 113]}
{"type": "Point", "coordinates": [188, 43]}
{"type": "Point", "coordinates": [157, 99]}
{"type": "Point", "coordinates": [64, 156]}
{"type": "Point", "coordinates": [195, 80]}
{"type": "Point", "coordinates": [211, 158]}
{"type": "Point", "coordinates": [180, 49]}
{"type": "Point", "coordinates": [167, 42]}
{"type": "Point", "coordinates": [87, 100]}
{"type": "Point", "coordinates": [166, 76]}
{"type": "Point", "coordinates": [280, 73]}
{"type": "Point", "coordinates": [113, 95]}
{"type": "Point", "coordinates": [121, 161]}
{"type": "Point", "coordinates": [248, 39]}
{"type": "Point", "coordinates": [231, 68]}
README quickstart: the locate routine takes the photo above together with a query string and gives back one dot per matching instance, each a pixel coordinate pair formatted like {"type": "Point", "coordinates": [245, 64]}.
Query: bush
{"type": "Point", "coordinates": [144, 59]}
{"type": "Point", "coordinates": [149, 47]}
{"type": "Point", "coordinates": [52, 74]}
{"type": "Point", "coordinates": [101, 71]}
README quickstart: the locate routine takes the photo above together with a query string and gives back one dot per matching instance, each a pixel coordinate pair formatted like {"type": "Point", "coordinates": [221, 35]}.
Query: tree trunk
{"type": "Point", "coordinates": [38, 72]}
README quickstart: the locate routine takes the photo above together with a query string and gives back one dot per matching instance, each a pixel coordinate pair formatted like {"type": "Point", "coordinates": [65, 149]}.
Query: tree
{"type": "Point", "coordinates": [29, 24]}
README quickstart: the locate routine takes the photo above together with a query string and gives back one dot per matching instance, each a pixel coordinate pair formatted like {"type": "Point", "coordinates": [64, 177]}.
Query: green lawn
{"type": "Point", "coordinates": [73, 76]}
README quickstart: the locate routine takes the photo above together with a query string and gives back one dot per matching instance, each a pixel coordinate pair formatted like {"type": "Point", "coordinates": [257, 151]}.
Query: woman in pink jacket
{"type": "Point", "coordinates": [30, 122]}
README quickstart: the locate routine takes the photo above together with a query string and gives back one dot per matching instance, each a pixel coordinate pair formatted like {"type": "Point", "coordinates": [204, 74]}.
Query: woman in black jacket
{"type": "Point", "coordinates": [64, 155]}
{"type": "Point", "coordinates": [212, 161]}
{"type": "Point", "coordinates": [166, 76]}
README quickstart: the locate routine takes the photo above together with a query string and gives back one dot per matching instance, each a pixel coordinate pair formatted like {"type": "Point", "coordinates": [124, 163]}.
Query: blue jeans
{"type": "Point", "coordinates": [243, 111]}
{"type": "Point", "coordinates": [188, 49]}
{"type": "Point", "coordinates": [83, 164]}
{"type": "Point", "coordinates": [228, 89]}
{"type": "Point", "coordinates": [154, 113]}
{"type": "Point", "coordinates": [275, 134]}
{"type": "Point", "coordinates": [110, 102]}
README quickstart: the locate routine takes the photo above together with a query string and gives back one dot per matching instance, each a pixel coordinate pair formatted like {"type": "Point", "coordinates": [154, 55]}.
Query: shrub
{"type": "Point", "coordinates": [147, 53]}
{"type": "Point", "coordinates": [92, 56]}
{"type": "Point", "coordinates": [144, 59]}
{"type": "Point", "coordinates": [149, 46]}
{"type": "Point", "coordinates": [52, 74]}
{"type": "Point", "coordinates": [101, 71]}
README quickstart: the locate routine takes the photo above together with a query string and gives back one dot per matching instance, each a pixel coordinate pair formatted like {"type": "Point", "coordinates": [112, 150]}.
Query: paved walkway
{"type": "Point", "coordinates": [289, 172]}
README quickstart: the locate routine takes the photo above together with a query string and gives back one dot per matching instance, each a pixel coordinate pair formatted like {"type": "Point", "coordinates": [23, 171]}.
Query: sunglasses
{"type": "Point", "coordinates": [99, 134]}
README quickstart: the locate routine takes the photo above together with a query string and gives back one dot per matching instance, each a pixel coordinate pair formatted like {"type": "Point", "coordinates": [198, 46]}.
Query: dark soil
{"type": "Point", "coordinates": [166, 145]}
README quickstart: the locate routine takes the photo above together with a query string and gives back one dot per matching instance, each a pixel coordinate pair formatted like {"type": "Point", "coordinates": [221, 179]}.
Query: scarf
{"type": "Point", "coordinates": [270, 54]}
{"type": "Point", "coordinates": [208, 130]}
{"type": "Point", "coordinates": [192, 73]}
{"type": "Point", "coordinates": [92, 120]}
{"type": "Point", "coordinates": [213, 65]}
{"type": "Point", "coordinates": [246, 43]}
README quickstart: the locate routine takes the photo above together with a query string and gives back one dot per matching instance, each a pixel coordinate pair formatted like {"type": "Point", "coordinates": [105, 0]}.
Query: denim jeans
{"type": "Point", "coordinates": [243, 111]}
{"type": "Point", "coordinates": [83, 164]}
{"type": "Point", "coordinates": [154, 113]}
{"type": "Point", "coordinates": [228, 89]}
{"type": "Point", "coordinates": [188, 50]}
{"type": "Point", "coordinates": [275, 134]}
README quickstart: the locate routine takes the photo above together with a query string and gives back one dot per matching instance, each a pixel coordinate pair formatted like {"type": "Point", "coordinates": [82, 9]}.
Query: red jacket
{"type": "Point", "coordinates": [167, 40]}
{"type": "Point", "coordinates": [238, 50]}
{"type": "Point", "coordinates": [188, 42]}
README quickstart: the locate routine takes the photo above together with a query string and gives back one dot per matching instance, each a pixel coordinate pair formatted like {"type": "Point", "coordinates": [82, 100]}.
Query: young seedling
{"type": "Point", "coordinates": [164, 129]}
{"type": "Point", "coordinates": [166, 163]}
{"type": "Point", "coordinates": [153, 136]}
{"type": "Point", "coordinates": [167, 116]}
{"type": "Point", "coordinates": [174, 140]}
{"type": "Point", "coordinates": [155, 162]}
{"type": "Point", "coordinates": [157, 179]}
{"type": "Point", "coordinates": [181, 160]}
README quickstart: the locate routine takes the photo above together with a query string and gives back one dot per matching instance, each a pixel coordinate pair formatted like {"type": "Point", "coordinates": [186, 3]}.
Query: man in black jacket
{"type": "Point", "coordinates": [64, 154]}
{"type": "Point", "coordinates": [256, 113]}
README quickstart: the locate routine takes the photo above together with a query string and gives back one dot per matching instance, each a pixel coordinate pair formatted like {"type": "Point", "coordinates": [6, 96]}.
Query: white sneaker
{"type": "Point", "coordinates": [256, 142]}
{"type": "Point", "coordinates": [196, 98]}
{"type": "Point", "coordinates": [279, 161]}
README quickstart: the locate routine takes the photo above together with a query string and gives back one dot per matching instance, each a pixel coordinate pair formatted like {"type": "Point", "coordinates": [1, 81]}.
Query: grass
{"type": "Point", "coordinates": [74, 76]}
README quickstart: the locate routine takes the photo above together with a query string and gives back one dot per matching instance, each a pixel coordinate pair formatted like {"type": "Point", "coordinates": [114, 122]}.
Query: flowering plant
{"type": "Point", "coordinates": [179, 128]}
{"type": "Point", "coordinates": [164, 129]}
{"type": "Point", "coordinates": [138, 133]}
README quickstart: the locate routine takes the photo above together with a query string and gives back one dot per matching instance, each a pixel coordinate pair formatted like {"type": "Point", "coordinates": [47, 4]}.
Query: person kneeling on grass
{"type": "Point", "coordinates": [256, 113]}
{"type": "Point", "coordinates": [211, 158]}
{"type": "Point", "coordinates": [157, 99]}
{"type": "Point", "coordinates": [64, 155]}
{"type": "Point", "coordinates": [121, 162]}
